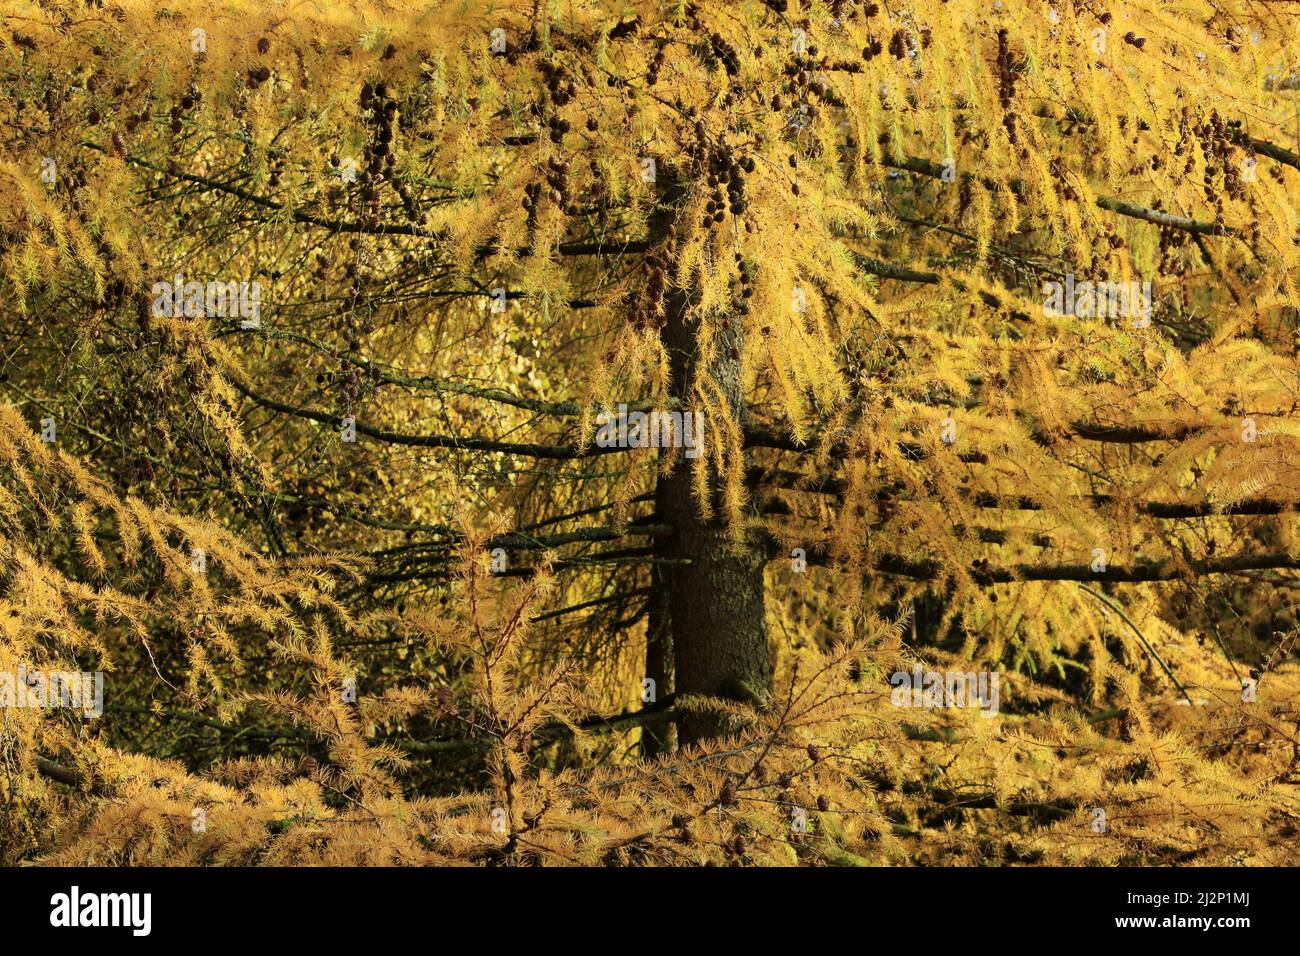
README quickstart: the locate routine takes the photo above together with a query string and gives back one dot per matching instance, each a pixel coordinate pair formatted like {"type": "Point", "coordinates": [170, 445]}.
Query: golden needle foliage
{"type": "Point", "coordinates": [348, 680]}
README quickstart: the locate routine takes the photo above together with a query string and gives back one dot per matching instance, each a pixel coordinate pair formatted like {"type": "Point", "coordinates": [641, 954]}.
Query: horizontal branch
{"type": "Point", "coordinates": [621, 598]}
{"type": "Point", "coordinates": [552, 452]}
{"type": "Point", "coordinates": [925, 167]}
{"type": "Point", "coordinates": [628, 247]}
{"type": "Point", "coordinates": [1284, 156]}
{"type": "Point", "coordinates": [1124, 434]}
{"type": "Point", "coordinates": [449, 538]}
{"type": "Point", "coordinates": [387, 375]}
{"type": "Point", "coordinates": [525, 542]}
{"type": "Point", "coordinates": [617, 556]}
{"type": "Point", "coordinates": [761, 437]}
{"type": "Point", "coordinates": [58, 773]}
{"type": "Point", "coordinates": [786, 480]}
{"type": "Point", "coordinates": [1141, 571]}
{"type": "Point", "coordinates": [1156, 509]}
{"type": "Point", "coordinates": [662, 709]}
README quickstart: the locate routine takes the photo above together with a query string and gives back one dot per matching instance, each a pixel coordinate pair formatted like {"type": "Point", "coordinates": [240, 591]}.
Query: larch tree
{"type": "Point", "coordinates": [556, 386]}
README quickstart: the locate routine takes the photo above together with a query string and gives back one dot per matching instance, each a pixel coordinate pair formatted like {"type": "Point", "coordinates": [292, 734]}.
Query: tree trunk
{"type": "Point", "coordinates": [658, 737]}
{"type": "Point", "coordinates": [719, 629]}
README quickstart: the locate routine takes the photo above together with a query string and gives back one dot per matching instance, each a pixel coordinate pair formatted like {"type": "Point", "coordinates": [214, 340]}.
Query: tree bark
{"type": "Point", "coordinates": [716, 600]}
{"type": "Point", "coordinates": [659, 737]}
{"type": "Point", "coordinates": [719, 629]}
